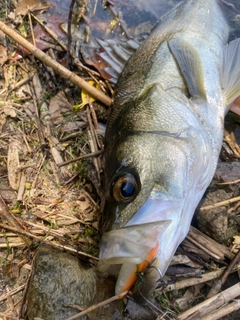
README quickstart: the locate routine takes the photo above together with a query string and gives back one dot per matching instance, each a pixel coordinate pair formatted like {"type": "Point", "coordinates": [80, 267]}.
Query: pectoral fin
{"type": "Point", "coordinates": [231, 71]}
{"type": "Point", "coordinates": [190, 64]}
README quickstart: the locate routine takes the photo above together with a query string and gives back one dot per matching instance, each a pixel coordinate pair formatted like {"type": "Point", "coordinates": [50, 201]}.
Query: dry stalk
{"type": "Point", "coordinates": [211, 304]}
{"type": "Point", "coordinates": [229, 308]}
{"type": "Point", "coordinates": [31, 28]}
{"type": "Point", "coordinates": [93, 142]}
{"type": "Point", "coordinates": [208, 245]}
{"type": "Point", "coordinates": [197, 244]}
{"type": "Point", "coordinates": [12, 292]}
{"type": "Point", "coordinates": [22, 82]}
{"type": "Point", "coordinates": [50, 32]}
{"type": "Point", "coordinates": [6, 215]}
{"type": "Point", "coordinates": [218, 283]}
{"type": "Point", "coordinates": [85, 156]}
{"type": "Point", "coordinates": [98, 305]}
{"type": "Point", "coordinates": [50, 243]}
{"type": "Point", "coordinates": [38, 123]}
{"type": "Point", "coordinates": [220, 204]}
{"type": "Point", "coordinates": [181, 284]}
{"type": "Point", "coordinates": [21, 188]}
{"type": "Point", "coordinates": [39, 167]}
{"type": "Point", "coordinates": [228, 182]}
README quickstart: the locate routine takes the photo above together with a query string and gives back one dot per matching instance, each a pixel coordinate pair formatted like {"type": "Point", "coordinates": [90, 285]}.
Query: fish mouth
{"type": "Point", "coordinates": [147, 237]}
{"type": "Point", "coordinates": [130, 249]}
{"type": "Point", "coordinates": [130, 243]}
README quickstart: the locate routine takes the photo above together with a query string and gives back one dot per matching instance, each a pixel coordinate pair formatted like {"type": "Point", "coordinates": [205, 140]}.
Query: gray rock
{"type": "Point", "coordinates": [58, 279]}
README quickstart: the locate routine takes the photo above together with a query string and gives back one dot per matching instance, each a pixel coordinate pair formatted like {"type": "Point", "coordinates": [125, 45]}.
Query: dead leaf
{"type": "Point", "coordinates": [185, 300]}
{"type": "Point", "coordinates": [30, 5]}
{"type": "Point", "coordinates": [3, 55]}
{"type": "Point", "coordinates": [9, 111]}
{"type": "Point", "coordinates": [85, 97]}
{"type": "Point", "coordinates": [236, 243]}
{"type": "Point", "coordinates": [13, 165]}
{"type": "Point", "coordinates": [189, 296]}
{"type": "Point", "coordinates": [182, 259]}
{"type": "Point", "coordinates": [58, 106]}
{"type": "Point", "coordinates": [231, 141]}
{"type": "Point", "coordinates": [2, 121]}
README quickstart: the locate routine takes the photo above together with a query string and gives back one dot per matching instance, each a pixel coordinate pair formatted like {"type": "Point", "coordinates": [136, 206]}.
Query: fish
{"type": "Point", "coordinates": [163, 138]}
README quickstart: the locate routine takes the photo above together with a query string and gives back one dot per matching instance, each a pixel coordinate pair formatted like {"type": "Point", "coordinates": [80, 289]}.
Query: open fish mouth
{"type": "Point", "coordinates": [130, 244]}
{"type": "Point", "coordinates": [131, 249]}
{"type": "Point", "coordinates": [143, 240]}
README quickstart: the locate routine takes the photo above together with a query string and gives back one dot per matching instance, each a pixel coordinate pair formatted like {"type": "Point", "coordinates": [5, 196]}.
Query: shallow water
{"type": "Point", "coordinates": [138, 16]}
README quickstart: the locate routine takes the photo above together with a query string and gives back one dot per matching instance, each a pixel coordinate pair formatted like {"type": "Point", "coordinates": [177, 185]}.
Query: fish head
{"type": "Point", "coordinates": [144, 204]}
{"type": "Point", "coordinates": [156, 170]}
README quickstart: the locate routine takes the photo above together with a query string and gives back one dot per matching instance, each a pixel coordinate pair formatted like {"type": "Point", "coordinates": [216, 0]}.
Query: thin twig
{"type": "Point", "coordinates": [220, 204]}
{"type": "Point", "coordinates": [6, 215]}
{"type": "Point", "coordinates": [21, 82]}
{"type": "Point", "coordinates": [31, 28]}
{"type": "Point", "coordinates": [50, 32]}
{"type": "Point", "coordinates": [93, 142]}
{"type": "Point", "coordinates": [95, 122]}
{"type": "Point", "coordinates": [228, 182]}
{"type": "Point", "coordinates": [85, 156]}
{"type": "Point", "coordinates": [52, 244]}
{"type": "Point", "coordinates": [217, 286]}
{"type": "Point", "coordinates": [12, 292]}
{"type": "Point", "coordinates": [62, 45]}
{"type": "Point", "coordinates": [194, 281]}
{"type": "Point", "coordinates": [69, 30]}
{"type": "Point", "coordinates": [230, 267]}
{"type": "Point", "coordinates": [98, 305]}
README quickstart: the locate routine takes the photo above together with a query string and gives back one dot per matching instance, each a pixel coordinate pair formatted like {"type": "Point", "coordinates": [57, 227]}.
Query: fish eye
{"type": "Point", "coordinates": [125, 188]}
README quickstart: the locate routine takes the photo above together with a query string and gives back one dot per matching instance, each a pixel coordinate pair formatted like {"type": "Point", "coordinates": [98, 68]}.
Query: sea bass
{"type": "Point", "coordinates": [163, 139]}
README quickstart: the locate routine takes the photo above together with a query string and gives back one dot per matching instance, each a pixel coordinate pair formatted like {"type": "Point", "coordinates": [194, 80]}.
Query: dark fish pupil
{"type": "Point", "coordinates": [127, 189]}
